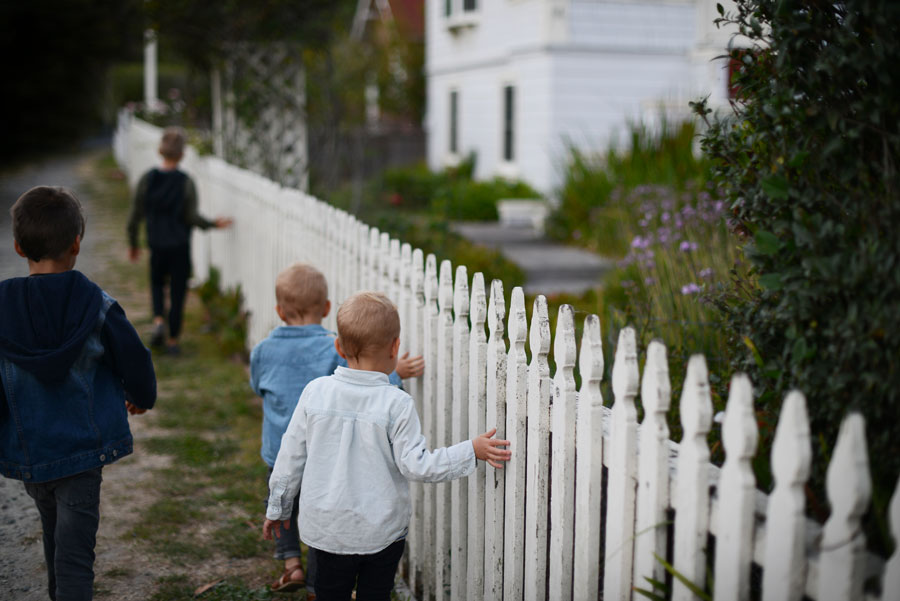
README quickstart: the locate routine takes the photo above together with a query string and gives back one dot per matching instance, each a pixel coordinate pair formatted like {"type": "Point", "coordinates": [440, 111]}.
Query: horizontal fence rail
{"type": "Point", "coordinates": [592, 501]}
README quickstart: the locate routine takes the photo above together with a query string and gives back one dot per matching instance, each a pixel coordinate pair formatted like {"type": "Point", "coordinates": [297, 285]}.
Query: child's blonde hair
{"type": "Point", "coordinates": [171, 146]}
{"type": "Point", "coordinates": [301, 290]}
{"type": "Point", "coordinates": [366, 322]}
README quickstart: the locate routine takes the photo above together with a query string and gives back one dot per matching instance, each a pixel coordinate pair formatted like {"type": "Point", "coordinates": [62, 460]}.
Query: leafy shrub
{"type": "Point", "coordinates": [808, 162]}
{"type": "Point", "coordinates": [225, 314]}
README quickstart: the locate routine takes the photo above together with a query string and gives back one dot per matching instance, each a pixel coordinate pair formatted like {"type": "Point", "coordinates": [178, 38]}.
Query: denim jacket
{"type": "Point", "coordinates": [280, 368]}
{"type": "Point", "coordinates": [62, 407]}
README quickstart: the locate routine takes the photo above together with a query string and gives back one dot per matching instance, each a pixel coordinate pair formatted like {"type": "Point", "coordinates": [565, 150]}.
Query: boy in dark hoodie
{"type": "Point", "coordinates": [72, 368]}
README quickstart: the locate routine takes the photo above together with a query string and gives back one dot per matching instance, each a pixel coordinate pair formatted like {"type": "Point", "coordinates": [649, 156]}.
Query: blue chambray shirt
{"type": "Point", "coordinates": [280, 368]}
{"type": "Point", "coordinates": [351, 448]}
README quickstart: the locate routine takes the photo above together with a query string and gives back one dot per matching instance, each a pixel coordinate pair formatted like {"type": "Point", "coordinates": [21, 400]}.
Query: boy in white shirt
{"type": "Point", "coordinates": [354, 441]}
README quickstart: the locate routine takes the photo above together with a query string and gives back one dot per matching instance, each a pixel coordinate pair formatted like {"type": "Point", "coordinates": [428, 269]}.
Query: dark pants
{"type": "Point", "coordinates": [287, 544]}
{"type": "Point", "coordinates": [372, 574]}
{"type": "Point", "coordinates": [174, 265]}
{"type": "Point", "coordinates": [70, 515]}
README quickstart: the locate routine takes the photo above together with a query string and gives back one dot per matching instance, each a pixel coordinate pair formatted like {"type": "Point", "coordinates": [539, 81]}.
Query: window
{"type": "Point", "coordinates": [470, 5]}
{"type": "Point", "coordinates": [448, 8]}
{"type": "Point", "coordinates": [454, 121]}
{"type": "Point", "coordinates": [509, 94]}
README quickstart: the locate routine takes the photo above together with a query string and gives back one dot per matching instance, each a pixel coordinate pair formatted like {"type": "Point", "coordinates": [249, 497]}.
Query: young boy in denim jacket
{"type": "Point", "coordinates": [353, 442]}
{"type": "Point", "coordinates": [280, 368]}
{"type": "Point", "coordinates": [72, 368]}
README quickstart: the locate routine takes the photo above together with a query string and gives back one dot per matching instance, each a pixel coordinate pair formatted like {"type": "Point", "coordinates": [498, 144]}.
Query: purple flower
{"type": "Point", "coordinates": [649, 281]}
{"type": "Point", "coordinates": [640, 242]}
{"type": "Point", "coordinates": [706, 273]}
{"type": "Point", "coordinates": [664, 217]}
{"type": "Point", "coordinates": [663, 234]}
{"type": "Point", "coordinates": [691, 288]}
{"type": "Point", "coordinates": [687, 246]}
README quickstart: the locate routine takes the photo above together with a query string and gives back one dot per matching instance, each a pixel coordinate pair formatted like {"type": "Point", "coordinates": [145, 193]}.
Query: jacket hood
{"type": "Point", "coordinates": [46, 319]}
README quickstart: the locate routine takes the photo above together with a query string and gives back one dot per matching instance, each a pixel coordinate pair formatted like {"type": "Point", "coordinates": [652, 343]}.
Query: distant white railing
{"type": "Point", "coordinates": [536, 530]}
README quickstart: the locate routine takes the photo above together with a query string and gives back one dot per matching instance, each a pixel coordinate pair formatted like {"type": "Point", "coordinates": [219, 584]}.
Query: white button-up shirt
{"type": "Point", "coordinates": [352, 444]}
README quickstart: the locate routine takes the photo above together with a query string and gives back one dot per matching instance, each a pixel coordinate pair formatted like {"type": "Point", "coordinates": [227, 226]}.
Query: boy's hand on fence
{"type": "Point", "coordinates": [410, 367]}
{"type": "Point", "coordinates": [134, 254]}
{"type": "Point", "coordinates": [273, 527]}
{"type": "Point", "coordinates": [224, 222]}
{"type": "Point", "coordinates": [486, 449]}
{"type": "Point", "coordinates": [134, 409]}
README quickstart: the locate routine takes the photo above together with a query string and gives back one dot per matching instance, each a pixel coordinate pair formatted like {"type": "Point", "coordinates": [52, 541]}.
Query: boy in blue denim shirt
{"type": "Point", "coordinates": [72, 368]}
{"type": "Point", "coordinates": [280, 368]}
{"type": "Point", "coordinates": [352, 446]}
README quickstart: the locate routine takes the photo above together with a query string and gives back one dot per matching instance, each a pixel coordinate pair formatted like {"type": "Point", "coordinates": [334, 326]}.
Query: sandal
{"type": "Point", "coordinates": [286, 584]}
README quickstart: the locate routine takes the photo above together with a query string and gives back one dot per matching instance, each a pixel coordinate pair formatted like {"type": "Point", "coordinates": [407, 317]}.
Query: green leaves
{"type": "Point", "coordinates": [767, 243]}
{"type": "Point", "coordinates": [775, 187]}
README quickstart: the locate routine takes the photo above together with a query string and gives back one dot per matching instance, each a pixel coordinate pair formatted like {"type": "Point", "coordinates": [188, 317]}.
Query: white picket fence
{"type": "Point", "coordinates": [536, 530]}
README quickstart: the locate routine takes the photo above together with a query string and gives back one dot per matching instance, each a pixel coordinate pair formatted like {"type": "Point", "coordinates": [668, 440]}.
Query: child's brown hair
{"type": "Point", "coordinates": [300, 291]}
{"type": "Point", "coordinates": [46, 221]}
{"type": "Point", "coordinates": [366, 322]}
{"type": "Point", "coordinates": [171, 146]}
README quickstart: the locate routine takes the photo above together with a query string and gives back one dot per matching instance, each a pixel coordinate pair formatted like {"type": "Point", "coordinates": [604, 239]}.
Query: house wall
{"type": "Point", "coordinates": [582, 70]}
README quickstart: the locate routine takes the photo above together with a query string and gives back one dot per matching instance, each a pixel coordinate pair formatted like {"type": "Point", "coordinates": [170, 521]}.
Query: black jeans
{"type": "Point", "coordinates": [173, 264]}
{"type": "Point", "coordinates": [70, 516]}
{"type": "Point", "coordinates": [372, 574]}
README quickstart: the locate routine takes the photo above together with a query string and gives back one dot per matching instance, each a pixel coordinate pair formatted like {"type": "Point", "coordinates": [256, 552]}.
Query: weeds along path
{"type": "Point", "coordinates": [186, 508]}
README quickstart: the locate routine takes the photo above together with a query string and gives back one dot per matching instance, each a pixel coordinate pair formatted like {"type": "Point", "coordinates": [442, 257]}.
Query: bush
{"type": "Point", "coordinates": [808, 162]}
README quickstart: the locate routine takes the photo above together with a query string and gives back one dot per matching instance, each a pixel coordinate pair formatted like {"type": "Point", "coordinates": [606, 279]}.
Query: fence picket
{"type": "Point", "coordinates": [653, 468]}
{"type": "Point", "coordinates": [890, 585]}
{"type": "Point", "coordinates": [394, 271]}
{"type": "Point", "coordinates": [429, 427]}
{"type": "Point", "coordinates": [404, 304]}
{"type": "Point", "coordinates": [443, 426]}
{"type": "Point", "coordinates": [494, 493]}
{"type": "Point", "coordinates": [562, 473]}
{"type": "Point", "coordinates": [459, 490]}
{"type": "Point", "coordinates": [384, 263]}
{"type": "Point", "coordinates": [372, 260]}
{"type": "Point", "coordinates": [477, 417]}
{"type": "Point", "coordinates": [736, 492]}
{"type": "Point", "coordinates": [417, 347]}
{"type": "Point", "coordinates": [842, 549]}
{"type": "Point", "coordinates": [784, 577]}
{"type": "Point", "coordinates": [621, 488]}
{"type": "Point", "coordinates": [692, 486]}
{"type": "Point", "coordinates": [538, 441]}
{"type": "Point", "coordinates": [589, 465]}
{"type": "Point", "coordinates": [516, 389]}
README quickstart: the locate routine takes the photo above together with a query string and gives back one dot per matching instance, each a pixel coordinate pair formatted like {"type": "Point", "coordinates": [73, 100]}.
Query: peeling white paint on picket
{"type": "Point", "coordinates": [531, 532]}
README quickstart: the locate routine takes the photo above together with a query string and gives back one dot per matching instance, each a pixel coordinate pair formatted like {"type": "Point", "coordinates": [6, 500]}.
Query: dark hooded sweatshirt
{"type": "Point", "coordinates": [69, 358]}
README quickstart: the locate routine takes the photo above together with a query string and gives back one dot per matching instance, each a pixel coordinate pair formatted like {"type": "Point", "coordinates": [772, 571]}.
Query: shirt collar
{"type": "Point", "coordinates": [301, 331]}
{"type": "Point", "coordinates": [361, 376]}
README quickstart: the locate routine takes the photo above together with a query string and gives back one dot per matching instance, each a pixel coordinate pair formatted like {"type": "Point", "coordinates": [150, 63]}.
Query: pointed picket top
{"type": "Point", "coordinates": [625, 368]}
{"type": "Point", "coordinates": [431, 283]}
{"type": "Point", "coordinates": [784, 576]}
{"type": "Point", "coordinates": [739, 432]}
{"type": "Point", "coordinates": [445, 293]}
{"type": "Point", "coordinates": [518, 326]}
{"type": "Point", "coordinates": [496, 310]}
{"type": "Point", "coordinates": [848, 482]}
{"type": "Point", "coordinates": [842, 549]}
{"type": "Point", "coordinates": [478, 306]}
{"type": "Point", "coordinates": [696, 401]}
{"type": "Point", "coordinates": [405, 265]}
{"type": "Point", "coordinates": [539, 336]}
{"type": "Point", "coordinates": [590, 362]}
{"type": "Point", "coordinates": [418, 278]}
{"type": "Point", "coordinates": [890, 587]}
{"type": "Point", "coordinates": [791, 450]}
{"type": "Point", "coordinates": [395, 270]}
{"type": "Point", "coordinates": [564, 343]}
{"type": "Point", "coordinates": [461, 293]}
{"type": "Point", "coordinates": [656, 387]}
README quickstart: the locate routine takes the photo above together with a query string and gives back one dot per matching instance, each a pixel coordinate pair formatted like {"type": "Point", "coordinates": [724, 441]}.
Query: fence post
{"type": "Point", "coordinates": [621, 489]}
{"type": "Point", "coordinates": [459, 490]}
{"type": "Point", "coordinates": [784, 572]}
{"type": "Point", "coordinates": [562, 481]}
{"type": "Point", "coordinates": [516, 389]}
{"type": "Point", "coordinates": [842, 550]}
{"type": "Point", "coordinates": [538, 441]}
{"type": "Point", "coordinates": [653, 468]}
{"type": "Point", "coordinates": [443, 421]}
{"type": "Point", "coordinates": [494, 496]}
{"type": "Point", "coordinates": [736, 493]}
{"type": "Point", "coordinates": [589, 466]}
{"type": "Point", "coordinates": [477, 415]}
{"type": "Point", "coordinates": [692, 485]}
{"type": "Point", "coordinates": [429, 397]}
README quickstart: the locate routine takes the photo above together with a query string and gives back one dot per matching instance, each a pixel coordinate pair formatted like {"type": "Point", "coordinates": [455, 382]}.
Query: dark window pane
{"type": "Point", "coordinates": [448, 7]}
{"type": "Point", "coordinates": [454, 116]}
{"type": "Point", "coordinates": [508, 120]}
{"type": "Point", "coordinates": [470, 5]}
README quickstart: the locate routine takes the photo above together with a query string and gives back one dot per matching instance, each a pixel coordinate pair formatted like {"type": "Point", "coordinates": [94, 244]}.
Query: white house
{"type": "Point", "coordinates": [515, 81]}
